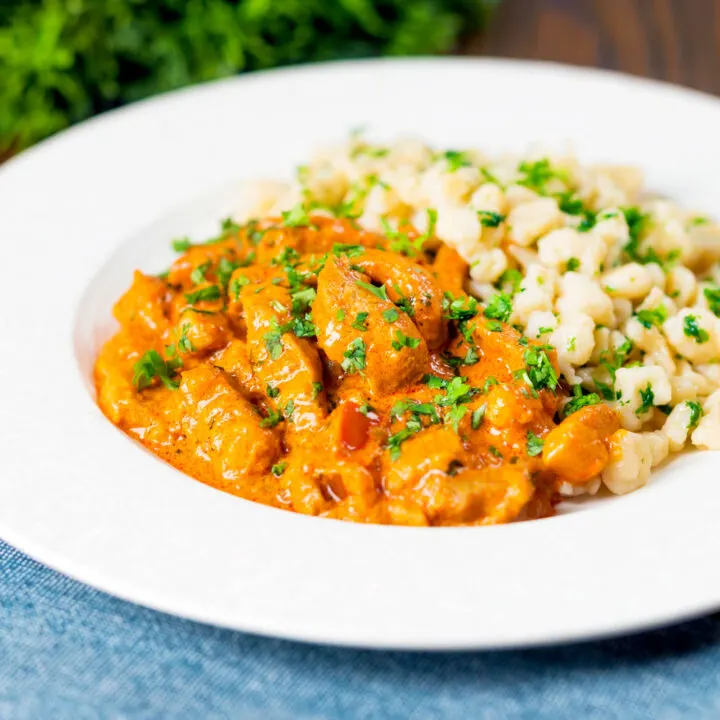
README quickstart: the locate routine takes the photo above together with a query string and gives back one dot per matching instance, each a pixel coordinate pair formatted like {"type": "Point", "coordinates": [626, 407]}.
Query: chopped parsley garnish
{"type": "Point", "coordinates": [272, 419]}
{"type": "Point", "coordinates": [278, 469]}
{"type": "Point", "coordinates": [489, 382]}
{"type": "Point", "coordinates": [348, 250]}
{"type": "Point", "coordinates": [539, 372]}
{"type": "Point", "coordinates": [471, 357]}
{"type": "Point", "coordinates": [185, 344]}
{"type": "Point", "coordinates": [340, 315]}
{"type": "Point", "coordinates": [401, 341]}
{"type": "Point", "coordinates": [544, 331]}
{"type": "Point", "coordinates": [354, 357]}
{"type": "Point", "coordinates": [637, 222]}
{"type": "Point", "coordinates": [296, 217]}
{"type": "Point", "coordinates": [398, 438]}
{"type": "Point", "coordinates": [287, 259]}
{"type": "Point", "coordinates": [272, 392]}
{"type": "Point", "coordinates": [302, 300]}
{"type": "Point", "coordinates": [380, 292]}
{"type": "Point", "coordinates": [696, 412]}
{"type": "Point", "coordinates": [499, 307]}
{"type": "Point", "coordinates": [197, 276]}
{"type": "Point", "coordinates": [712, 295]}
{"type": "Point", "coordinates": [300, 326]}
{"type": "Point", "coordinates": [413, 406]}
{"type": "Point", "coordinates": [536, 175]}
{"type": "Point", "coordinates": [289, 410]}
{"type": "Point", "coordinates": [494, 451]}
{"type": "Point", "coordinates": [572, 264]}
{"type": "Point", "coordinates": [534, 444]}
{"type": "Point", "coordinates": [457, 394]}
{"type": "Point", "coordinates": [490, 219]}
{"type": "Point", "coordinates": [400, 242]}
{"type": "Point", "coordinates": [273, 341]}
{"type": "Point", "coordinates": [237, 284]}
{"type": "Point", "coordinates": [693, 330]}
{"type": "Point", "coordinates": [317, 388]}
{"type": "Point", "coordinates": [655, 316]}
{"type": "Point", "coordinates": [460, 309]}
{"type": "Point", "coordinates": [360, 322]}
{"type": "Point", "coordinates": [612, 361]}
{"type": "Point", "coordinates": [456, 159]}
{"type": "Point", "coordinates": [510, 281]}
{"type": "Point", "coordinates": [477, 416]}
{"type": "Point", "coordinates": [494, 326]}
{"type": "Point", "coordinates": [456, 414]}
{"type": "Point", "coordinates": [573, 205]}
{"type": "Point", "coordinates": [225, 270]}
{"type": "Point", "coordinates": [211, 292]}
{"type": "Point", "coordinates": [181, 245]}
{"type": "Point", "coordinates": [390, 315]}
{"type": "Point", "coordinates": [647, 399]}
{"type": "Point", "coordinates": [580, 400]}
{"type": "Point", "coordinates": [152, 365]}
{"type": "Point", "coordinates": [434, 382]}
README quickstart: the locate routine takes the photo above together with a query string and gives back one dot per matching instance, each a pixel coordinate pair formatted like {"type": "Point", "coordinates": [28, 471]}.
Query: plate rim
{"type": "Point", "coordinates": [65, 565]}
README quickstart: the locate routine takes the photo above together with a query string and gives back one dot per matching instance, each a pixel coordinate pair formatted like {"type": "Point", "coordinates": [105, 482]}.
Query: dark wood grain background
{"type": "Point", "coordinates": [674, 40]}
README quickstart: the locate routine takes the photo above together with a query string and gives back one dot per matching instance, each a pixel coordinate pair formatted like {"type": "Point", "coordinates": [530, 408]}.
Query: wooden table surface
{"type": "Point", "coordinates": [674, 40]}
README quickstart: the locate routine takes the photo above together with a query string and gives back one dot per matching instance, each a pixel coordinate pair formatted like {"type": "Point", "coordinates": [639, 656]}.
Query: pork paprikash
{"type": "Point", "coordinates": [310, 365]}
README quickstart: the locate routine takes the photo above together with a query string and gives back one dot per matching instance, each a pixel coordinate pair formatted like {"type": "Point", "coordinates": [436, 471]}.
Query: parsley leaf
{"type": "Point", "coordinates": [655, 316]}
{"type": "Point", "coordinates": [237, 284]}
{"type": "Point", "coordinates": [184, 343]}
{"type": "Point", "coordinates": [296, 217]}
{"type": "Point", "coordinates": [500, 307]}
{"type": "Point", "coordinates": [534, 444]}
{"type": "Point", "coordinates": [580, 400]}
{"type": "Point", "coordinates": [401, 340]}
{"type": "Point", "coordinates": [380, 292]}
{"type": "Point", "coordinates": [712, 295]}
{"type": "Point", "coordinates": [693, 330]}
{"type": "Point", "coordinates": [278, 469]}
{"type": "Point", "coordinates": [360, 322]}
{"type": "Point", "coordinates": [211, 292]}
{"type": "Point", "coordinates": [510, 281]}
{"type": "Point", "coordinates": [456, 159]}
{"type": "Point", "coordinates": [637, 222]}
{"type": "Point", "coordinates": [272, 419]}
{"type": "Point", "coordinates": [537, 174]}
{"type": "Point", "coordinates": [273, 342]}
{"type": "Point", "coordinates": [572, 264]}
{"type": "Point", "coordinates": [490, 219]}
{"type": "Point", "coordinates": [181, 245]}
{"type": "Point", "coordinates": [477, 416]}
{"type": "Point", "coordinates": [152, 365]}
{"type": "Point", "coordinates": [390, 315]}
{"type": "Point", "coordinates": [696, 412]}
{"type": "Point", "coordinates": [539, 372]}
{"type": "Point", "coordinates": [354, 357]}
{"type": "Point", "coordinates": [647, 398]}
{"type": "Point", "coordinates": [197, 276]}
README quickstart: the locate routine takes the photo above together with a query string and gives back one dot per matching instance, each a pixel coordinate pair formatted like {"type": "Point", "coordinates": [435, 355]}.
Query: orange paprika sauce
{"type": "Point", "coordinates": [335, 372]}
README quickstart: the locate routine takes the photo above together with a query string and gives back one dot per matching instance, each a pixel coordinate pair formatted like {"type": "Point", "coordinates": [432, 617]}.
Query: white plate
{"type": "Point", "coordinates": [80, 496]}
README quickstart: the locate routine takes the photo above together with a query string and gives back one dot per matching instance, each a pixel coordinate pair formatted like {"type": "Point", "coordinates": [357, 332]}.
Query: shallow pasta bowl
{"type": "Point", "coordinates": [78, 495]}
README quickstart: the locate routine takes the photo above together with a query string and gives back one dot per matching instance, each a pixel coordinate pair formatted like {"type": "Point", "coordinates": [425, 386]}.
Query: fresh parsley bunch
{"type": "Point", "coordinates": [64, 60]}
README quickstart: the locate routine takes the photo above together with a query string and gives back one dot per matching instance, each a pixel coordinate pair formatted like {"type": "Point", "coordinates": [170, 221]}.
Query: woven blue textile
{"type": "Point", "coordinates": [67, 651]}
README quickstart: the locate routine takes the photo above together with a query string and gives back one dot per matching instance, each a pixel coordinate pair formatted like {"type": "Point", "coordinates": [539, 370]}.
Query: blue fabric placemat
{"type": "Point", "coordinates": [67, 651]}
